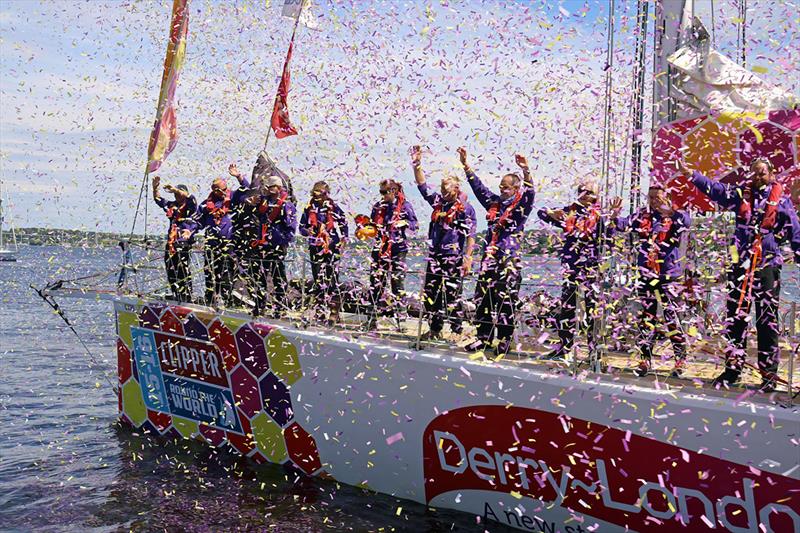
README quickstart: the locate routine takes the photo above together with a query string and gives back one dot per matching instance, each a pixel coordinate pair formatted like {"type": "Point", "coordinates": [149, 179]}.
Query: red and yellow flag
{"type": "Point", "coordinates": [280, 111]}
{"type": "Point", "coordinates": [165, 129]}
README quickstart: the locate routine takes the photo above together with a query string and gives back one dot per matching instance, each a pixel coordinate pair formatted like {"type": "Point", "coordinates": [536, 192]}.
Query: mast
{"type": "Point", "coordinates": [637, 107]}
{"type": "Point", "coordinates": [672, 19]}
{"type": "Point", "coordinates": [1, 214]}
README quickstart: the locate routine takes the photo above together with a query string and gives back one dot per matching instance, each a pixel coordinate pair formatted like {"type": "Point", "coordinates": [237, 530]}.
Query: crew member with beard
{"type": "Point", "coordinates": [765, 219]}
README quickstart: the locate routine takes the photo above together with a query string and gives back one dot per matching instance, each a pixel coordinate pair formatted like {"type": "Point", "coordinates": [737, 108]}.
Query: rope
{"type": "Point", "coordinates": [49, 300]}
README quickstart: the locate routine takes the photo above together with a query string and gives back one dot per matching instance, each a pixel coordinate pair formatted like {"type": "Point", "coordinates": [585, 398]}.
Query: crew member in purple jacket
{"type": "Point", "coordinates": [245, 228]}
{"type": "Point", "coordinates": [324, 223]}
{"type": "Point", "coordinates": [215, 218]}
{"type": "Point", "coordinates": [662, 232]}
{"type": "Point", "coordinates": [395, 221]}
{"type": "Point", "coordinates": [582, 224]}
{"type": "Point", "coordinates": [765, 218]}
{"type": "Point", "coordinates": [182, 215]}
{"type": "Point", "coordinates": [497, 290]}
{"type": "Point", "coordinates": [277, 217]}
{"type": "Point", "coordinates": [452, 237]}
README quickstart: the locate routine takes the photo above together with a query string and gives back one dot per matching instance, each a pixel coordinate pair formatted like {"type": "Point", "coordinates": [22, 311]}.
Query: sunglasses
{"type": "Point", "coordinates": [219, 189]}
{"type": "Point", "coordinates": [386, 191]}
{"type": "Point", "coordinates": [585, 191]}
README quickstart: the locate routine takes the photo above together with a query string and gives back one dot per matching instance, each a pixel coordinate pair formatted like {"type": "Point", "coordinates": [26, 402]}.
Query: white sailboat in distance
{"type": "Point", "coordinates": [6, 254]}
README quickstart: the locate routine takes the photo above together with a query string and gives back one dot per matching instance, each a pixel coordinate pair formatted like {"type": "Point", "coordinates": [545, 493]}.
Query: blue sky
{"type": "Point", "coordinates": [79, 80]}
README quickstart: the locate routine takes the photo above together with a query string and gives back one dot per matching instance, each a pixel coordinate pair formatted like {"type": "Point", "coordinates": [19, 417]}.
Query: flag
{"type": "Point", "coordinates": [300, 10]}
{"type": "Point", "coordinates": [280, 112]}
{"type": "Point", "coordinates": [164, 136]}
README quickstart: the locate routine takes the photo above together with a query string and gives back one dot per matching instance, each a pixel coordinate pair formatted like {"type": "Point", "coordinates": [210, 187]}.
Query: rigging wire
{"type": "Point", "coordinates": [713, 28]}
{"type": "Point", "coordinates": [52, 303]}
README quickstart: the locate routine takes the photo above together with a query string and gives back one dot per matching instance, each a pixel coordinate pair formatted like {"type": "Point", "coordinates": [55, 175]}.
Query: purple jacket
{"type": "Point", "coordinates": [647, 226]}
{"type": "Point", "coordinates": [339, 233]}
{"type": "Point", "coordinates": [397, 236]}
{"type": "Point", "coordinates": [509, 237]}
{"type": "Point", "coordinates": [237, 197]}
{"type": "Point", "coordinates": [787, 227]}
{"type": "Point", "coordinates": [580, 247]}
{"type": "Point", "coordinates": [221, 230]}
{"type": "Point", "coordinates": [280, 232]}
{"type": "Point", "coordinates": [188, 222]}
{"type": "Point", "coordinates": [449, 239]}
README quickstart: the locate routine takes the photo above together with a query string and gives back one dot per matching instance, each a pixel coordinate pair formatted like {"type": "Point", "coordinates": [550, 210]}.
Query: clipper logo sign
{"type": "Point", "coordinates": [603, 472]}
{"type": "Point", "coordinates": [184, 377]}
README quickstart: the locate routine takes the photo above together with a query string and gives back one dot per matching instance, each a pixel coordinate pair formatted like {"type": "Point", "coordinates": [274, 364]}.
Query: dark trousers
{"type": "Point", "coordinates": [497, 295]}
{"type": "Point", "coordinates": [325, 274]}
{"type": "Point", "coordinates": [264, 264]}
{"type": "Point", "coordinates": [574, 280]}
{"type": "Point", "coordinates": [218, 269]}
{"type": "Point", "coordinates": [392, 269]}
{"type": "Point", "coordinates": [766, 294]}
{"type": "Point", "coordinates": [179, 274]}
{"type": "Point", "coordinates": [650, 292]}
{"type": "Point", "coordinates": [442, 291]}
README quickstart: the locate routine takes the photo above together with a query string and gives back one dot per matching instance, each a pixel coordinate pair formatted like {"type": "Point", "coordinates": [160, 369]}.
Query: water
{"type": "Point", "coordinates": [66, 466]}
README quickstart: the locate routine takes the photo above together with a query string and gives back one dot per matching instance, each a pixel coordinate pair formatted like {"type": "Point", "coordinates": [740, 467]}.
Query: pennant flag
{"type": "Point", "coordinates": [165, 129]}
{"type": "Point", "coordinates": [280, 112]}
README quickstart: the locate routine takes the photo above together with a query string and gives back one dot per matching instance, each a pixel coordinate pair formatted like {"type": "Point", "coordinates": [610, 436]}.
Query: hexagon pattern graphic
{"type": "Point", "coordinates": [260, 364]}
{"type": "Point", "coordinates": [722, 147]}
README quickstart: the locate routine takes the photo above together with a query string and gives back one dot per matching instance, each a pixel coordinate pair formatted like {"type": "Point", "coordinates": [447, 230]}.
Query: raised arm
{"type": "Point", "coordinates": [233, 170]}
{"type": "Point", "coordinates": [482, 193]}
{"type": "Point", "coordinates": [529, 194]}
{"type": "Point", "coordinates": [419, 176]}
{"type": "Point", "coordinates": [157, 194]}
{"type": "Point", "coordinates": [554, 217]}
{"type": "Point", "coordinates": [719, 193]}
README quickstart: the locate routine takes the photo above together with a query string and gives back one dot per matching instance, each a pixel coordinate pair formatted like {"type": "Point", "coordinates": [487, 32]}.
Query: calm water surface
{"type": "Point", "coordinates": [66, 466]}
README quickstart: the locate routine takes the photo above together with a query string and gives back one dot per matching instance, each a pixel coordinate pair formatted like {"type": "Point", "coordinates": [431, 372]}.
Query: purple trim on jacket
{"type": "Point", "coordinates": [282, 229]}
{"type": "Point", "coordinates": [237, 197]}
{"type": "Point", "coordinates": [340, 229]}
{"type": "Point", "coordinates": [787, 227]}
{"type": "Point", "coordinates": [398, 236]}
{"type": "Point", "coordinates": [577, 251]}
{"type": "Point", "coordinates": [510, 238]}
{"type": "Point", "coordinates": [670, 256]}
{"type": "Point", "coordinates": [223, 230]}
{"type": "Point", "coordinates": [449, 239]}
{"type": "Point", "coordinates": [188, 223]}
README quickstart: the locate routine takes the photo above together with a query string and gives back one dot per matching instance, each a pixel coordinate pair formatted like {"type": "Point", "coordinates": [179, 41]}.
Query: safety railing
{"type": "Point", "coordinates": [535, 313]}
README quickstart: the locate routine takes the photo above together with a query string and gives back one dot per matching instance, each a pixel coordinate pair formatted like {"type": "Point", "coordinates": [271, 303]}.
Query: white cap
{"type": "Point", "coordinates": [272, 181]}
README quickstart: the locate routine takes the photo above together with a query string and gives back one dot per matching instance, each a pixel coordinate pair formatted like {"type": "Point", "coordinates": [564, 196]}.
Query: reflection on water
{"type": "Point", "coordinates": [65, 465]}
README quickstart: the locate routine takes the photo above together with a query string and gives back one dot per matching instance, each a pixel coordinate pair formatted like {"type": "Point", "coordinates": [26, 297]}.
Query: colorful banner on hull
{"type": "Point", "coordinates": [184, 377]}
{"type": "Point", "coordinates": [530, 449]}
